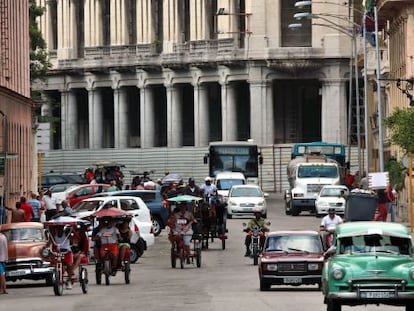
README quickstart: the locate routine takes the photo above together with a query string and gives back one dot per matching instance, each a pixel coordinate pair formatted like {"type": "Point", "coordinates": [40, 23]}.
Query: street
{"type": "Point", "coordinates": [225, 281]}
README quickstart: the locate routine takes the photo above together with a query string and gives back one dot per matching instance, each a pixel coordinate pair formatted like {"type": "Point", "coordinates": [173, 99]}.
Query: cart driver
{"type": "Point", "coordinates": [109, 236]}
{"type": "Point", "coordinates": [181, 227]}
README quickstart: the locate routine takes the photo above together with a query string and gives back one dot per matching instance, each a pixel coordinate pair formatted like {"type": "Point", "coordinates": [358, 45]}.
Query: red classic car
{"type": "Point", "coordinates": [26, 241]}
{"type": "Point", "coordinates": [291, 258]}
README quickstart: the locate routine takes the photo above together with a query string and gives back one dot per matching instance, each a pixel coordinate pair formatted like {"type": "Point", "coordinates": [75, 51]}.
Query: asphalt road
{"type": "Point", "coordinates": [225, 281]}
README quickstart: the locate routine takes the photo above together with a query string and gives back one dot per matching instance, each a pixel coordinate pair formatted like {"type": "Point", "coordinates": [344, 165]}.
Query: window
{"type": "Point", "coordinates": [129, 205]}
{"type": "Point", "coordinates": [301, 37]}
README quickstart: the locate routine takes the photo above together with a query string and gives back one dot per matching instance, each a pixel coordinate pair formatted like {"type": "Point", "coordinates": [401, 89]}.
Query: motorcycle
{"type": "Point", "coordinates": [256, 235]}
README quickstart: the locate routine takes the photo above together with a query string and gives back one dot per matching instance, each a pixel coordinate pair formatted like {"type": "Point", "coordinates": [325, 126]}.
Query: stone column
{"type": "Point", "coordinates": [71, 132]}
{"type": "Point", "coordinates": [64, 117]}
{"type": "Point", "coordinates": [261, 112]}
{"type": "Point", "coordinates": [174, 115]}
{"type": "Point", "coordinates": [228, 112]}
{"type": "Point", "coordinates": [147, 117]}
{"type": "Point", "coordinates": [120, 118]}
{"type": "Point", "coordinates": [334, 111]}
{"type": "Point", "coordinates": [95, 119]}
{"type": "Point", "coordinates": [201, 116]}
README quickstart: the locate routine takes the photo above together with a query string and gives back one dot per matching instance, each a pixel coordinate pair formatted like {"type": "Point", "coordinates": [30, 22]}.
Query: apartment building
{"type": "Point", "coordinates": [16, 146]}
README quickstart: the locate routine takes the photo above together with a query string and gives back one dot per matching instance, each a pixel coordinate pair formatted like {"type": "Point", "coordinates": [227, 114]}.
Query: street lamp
{"type": "Point", "coordinates": [5, 149]}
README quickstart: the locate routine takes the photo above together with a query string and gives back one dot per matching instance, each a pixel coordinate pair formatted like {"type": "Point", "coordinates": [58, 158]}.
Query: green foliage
{"type": "Point", "coordinates": [396, 172]}
{"type": "Point", "coordinates": [39, 59]}
{"type": "Point", "coordinates": [401, 124]}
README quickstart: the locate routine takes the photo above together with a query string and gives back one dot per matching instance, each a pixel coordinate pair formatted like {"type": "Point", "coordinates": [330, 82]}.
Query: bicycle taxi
{"type": "Point", "coordinates": [67, 249]}
{"type": "Point", "coordinates": [107, 255]}
{"type": "Point", "coordinates": [183, 226]}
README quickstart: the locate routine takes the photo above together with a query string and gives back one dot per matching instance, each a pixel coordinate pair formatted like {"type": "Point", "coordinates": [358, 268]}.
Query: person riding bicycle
{"type": "Point", "coordinates": [109, 237]}
{"type": "Point", "coordinates": [61, 240]}
{"type": "Point", "coordinates": [181, 227]}
{"type": "Point", "coordinates": [259, 222]}
{"type": "Point", "coordinates": [329, 223]}
{"type": "Point", "coordinates": [125, 240]}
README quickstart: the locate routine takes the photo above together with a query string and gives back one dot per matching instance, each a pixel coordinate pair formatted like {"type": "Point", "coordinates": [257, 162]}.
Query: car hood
{"type": "Point", "coordinates": [331, 199]}
{"type": "Point", "coordinates": [291, 256]}
{"type": "Point", "coordinates": [23, 250]}
{"type": "Point", "coordinates": [246, 199]}
{"type": "Point", "coordinates": [373, 265]}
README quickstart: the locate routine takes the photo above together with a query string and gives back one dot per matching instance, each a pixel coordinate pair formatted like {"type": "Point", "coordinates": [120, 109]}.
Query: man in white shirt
{"type": "Point", "coordinates": [50, 205]}
{"type": "Point", "coordinates": [329, 223]}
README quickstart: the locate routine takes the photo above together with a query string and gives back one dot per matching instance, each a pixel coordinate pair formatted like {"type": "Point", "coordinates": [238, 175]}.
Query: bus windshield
{"type": "Point", "coordinates": [243, 158]}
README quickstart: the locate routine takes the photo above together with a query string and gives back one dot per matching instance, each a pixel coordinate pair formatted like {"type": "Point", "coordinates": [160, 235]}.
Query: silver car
{"type": "Point", "coordinates": [245, 200]}
{"type": "Point", "coordinates": [331, 196]}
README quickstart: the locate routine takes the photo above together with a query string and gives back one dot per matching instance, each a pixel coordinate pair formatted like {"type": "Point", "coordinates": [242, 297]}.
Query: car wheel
{"type": "Point", "coordinates": [156, 225]}
{"type": "Point", "coordinates": [332, 305]}
{"type": "Point", "coordinates": [409, 306]}
{"type": "Point", "coordinates": [264, 286]}
{"type": "Point", "coordinates": [49, 279]}
{"type": "Point", "coordinates": [229, 216]}
{"type": "Point", "coordinates": [294, 210]}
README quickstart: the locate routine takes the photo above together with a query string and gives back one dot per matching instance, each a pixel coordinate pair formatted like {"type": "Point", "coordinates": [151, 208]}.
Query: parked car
{"type": "Point", "coordinates": [245, 200]}
{"type": "Point", "coordinates": [26, 240]}
{"type": "Point", "coordinates": [154, 201]}
{"type": "Point", "coordinates": [81, 192]}
{"type": "Point", "coordinates": [51, 179]}
{"type": "Point", "coordinates": [59, 192]}
{"type": "Point", "coordinates": [331, 196]}
{"type": "Point", "coordinates": [133, 205]}
{"type": "Point", "coordinates": [370, 263]}
{"type": "Point", "coordinates": [291, 258]}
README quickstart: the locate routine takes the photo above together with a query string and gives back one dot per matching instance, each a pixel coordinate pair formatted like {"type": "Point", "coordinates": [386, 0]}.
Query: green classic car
{"type": "Point", "coordinates": [369, 263]}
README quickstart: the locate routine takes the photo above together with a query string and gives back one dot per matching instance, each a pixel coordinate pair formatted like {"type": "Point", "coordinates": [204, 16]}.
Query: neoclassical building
{"type": "Point", "coordinates": [172, 73]}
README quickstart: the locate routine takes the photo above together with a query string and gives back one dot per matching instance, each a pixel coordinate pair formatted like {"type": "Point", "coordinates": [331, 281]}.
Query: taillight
{"type": "Point", "coordinates": [136, 229]}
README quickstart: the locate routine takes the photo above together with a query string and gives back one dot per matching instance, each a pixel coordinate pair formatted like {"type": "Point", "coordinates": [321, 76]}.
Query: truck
{"type": "Point", "coordinates": [307, 174]}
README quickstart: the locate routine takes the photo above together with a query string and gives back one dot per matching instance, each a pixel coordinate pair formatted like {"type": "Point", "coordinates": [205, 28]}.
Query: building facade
{"type": "Point", "coordinates": [16, 147]}
{"type": "Point", "coordinates": [172, 73]}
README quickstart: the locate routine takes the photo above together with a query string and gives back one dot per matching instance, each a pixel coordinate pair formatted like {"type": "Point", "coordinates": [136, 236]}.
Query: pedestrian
{"type": "Point", "coordinates": [349, 179]}
{"type": "Point", "coordinates": [17, 214]}
{"type": "Point", "coordinates": [382, 209]}
{"type": "Point", "coordinates": [50, 205]}
{"type": "Point", "coordinates": [4, 256]}
{"type": "Point", "coordinates": [113, 186]}
{"type": "Point", "coordinates": [26, 208]}
{"type": "Point", "coordinates": [35, 203]}
{"type": "Point", "coordinates": [389, 192]}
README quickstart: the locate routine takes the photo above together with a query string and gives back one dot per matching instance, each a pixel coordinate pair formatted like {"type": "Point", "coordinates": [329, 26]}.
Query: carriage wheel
{"type": "Point", "coordinates": [198, 257]}
{"type": "Point", "coordinates": [173, 257]}
{"type": "Point", "coordinates": [182, 258]}
{"type": "Point", "coordinates": [57, 284]}
{"type": "Point", "coordinates": [206, 238]}
{"type": "Point", "coordinates": [83, 279]}
{"type": "Point", "coordinates": [107, 271]}
{"type": "Point", "coordinates": [127, 272]}
{"type": "Point", "coordinates": [98, 274]}
{"type": "Point", "coordinates": [223, 242]}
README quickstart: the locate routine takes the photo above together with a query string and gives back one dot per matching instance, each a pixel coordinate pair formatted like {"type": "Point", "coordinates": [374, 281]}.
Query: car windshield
{"type": "Point", "coordinates": [331, 192]}
{"type": "Point", "coordinates": [25, 234]}
{"type": "Point", "coordinates": [226, 184]}
{"type": "Point", "coordinates": [294, 243]}
{"type": "Point", "coordinates": [246, 192]}
{"type": "Point", "coordinates": [374, 243]}
{"type": "Point", "coordinates": [87, 206]}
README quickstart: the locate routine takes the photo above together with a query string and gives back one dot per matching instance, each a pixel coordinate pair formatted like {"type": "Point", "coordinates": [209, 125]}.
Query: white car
{"type": "Point", "coordinates": [133, 205]}
{"type": "Point", "coordinates": [245, 200]}
{"type": "Point", "coordinates": [331, 196]}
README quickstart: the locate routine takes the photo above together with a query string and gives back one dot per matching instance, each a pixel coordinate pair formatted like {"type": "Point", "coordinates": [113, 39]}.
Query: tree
{"type": "Point", "coordinates": [401, 124]}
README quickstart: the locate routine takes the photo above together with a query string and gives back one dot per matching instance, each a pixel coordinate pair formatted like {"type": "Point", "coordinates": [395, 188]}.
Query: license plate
{"type": "Point", "coordinates": [292, 280]}
{"type": "Point", "coordinates": [377, 295]}
{"type": "Point", "coordinates": [18, 272]}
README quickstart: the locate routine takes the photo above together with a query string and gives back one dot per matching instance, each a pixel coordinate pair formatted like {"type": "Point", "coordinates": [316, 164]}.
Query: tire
{"type": "Point", "coordinates": [409, 307]}
{"type": "Point", "coordinates": [49, 280]}
{"type": "Point", "coordinates": [198, 258]}
{"type": "Point", "coordinates": [229, 216]}
{"type": "Point", "coordinates": [294, 210]}
{"type": "Point", "coordinates": [156, 225]}
{"type": "Point", "coordinates": [136, 252]}
{"type": "Point", "coordinates": [255, 255]}
{"type": "Point", "coordinates": [107, 271]}
{"type": "Point", "coordinates": [264, 286]}
{"type": "Point", "coordinates": [98, 274]}
{"type": "Point", "coordinates": [223, 243]}
{"type": "Point", "coordinates": [182, 259]}
{"type": "Point", "coordinates": [173, 258]}
{"type": "Point", "coordinates": [127, 272]}
{"type": "Point", "coordinates": [318, 215]}
{"type": "Point", "coordinates": [107, 282]}
{"type": "Point", "coordinates": [83, 279]}
{"type": "Point", "coordinates": [332, 305]}
{"type": "Point", "coordinates": [57, 285]}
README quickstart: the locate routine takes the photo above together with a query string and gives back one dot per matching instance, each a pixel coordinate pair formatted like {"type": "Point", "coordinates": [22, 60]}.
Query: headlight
{"type": "Point", "coordinates": [412, 274]}
{"type": "Point", "coordinates": [323, 204]}
{"type": "Point", "coordinates": [298, 195]}
{"type": "Point", "coordinates": [231, 203]}
{"type": "Point", "coordinates": [271, 267]}
{"type": "Point", "coordinates": [260, 204]}
{"type": "Point", "coordinates": [338, 274]}
{"type": "Point", "coordinates": [45, 252]}
{"type": "Point", "coordinates": [313, 266]}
